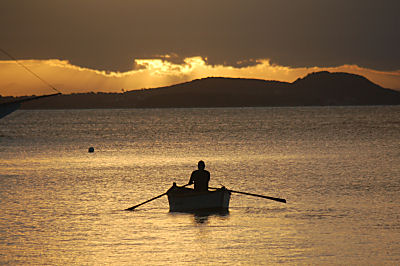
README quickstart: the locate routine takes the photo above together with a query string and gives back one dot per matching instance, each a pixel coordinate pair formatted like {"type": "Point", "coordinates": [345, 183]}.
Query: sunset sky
{"type": "Point", "coordinates": [115, 45]}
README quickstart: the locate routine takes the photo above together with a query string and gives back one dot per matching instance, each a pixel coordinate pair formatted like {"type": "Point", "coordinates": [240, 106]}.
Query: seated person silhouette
{"type": "Point", "coordinates": [200, 178]}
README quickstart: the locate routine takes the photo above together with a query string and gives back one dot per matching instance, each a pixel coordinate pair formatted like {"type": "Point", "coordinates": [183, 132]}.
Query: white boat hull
{"type": "Point", "coordinates": [186, 200]}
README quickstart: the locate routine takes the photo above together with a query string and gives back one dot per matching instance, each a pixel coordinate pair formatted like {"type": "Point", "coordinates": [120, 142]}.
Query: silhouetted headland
{"type": "Point", "coordinates": [316, 89]}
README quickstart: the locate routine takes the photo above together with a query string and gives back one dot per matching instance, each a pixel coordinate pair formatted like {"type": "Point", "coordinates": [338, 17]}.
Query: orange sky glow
{"type": "Point", "coordinates": [151, 73]}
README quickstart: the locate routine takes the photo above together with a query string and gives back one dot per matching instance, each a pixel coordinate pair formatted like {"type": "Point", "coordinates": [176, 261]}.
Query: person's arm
{"type": "Point", "coordinates": [191, 178]}
{"type": "Point", "coordinates": [208, 178]}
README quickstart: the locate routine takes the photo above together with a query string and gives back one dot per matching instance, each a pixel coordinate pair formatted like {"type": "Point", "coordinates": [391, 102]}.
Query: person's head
{"type": "Point", "coordinates": [201, 165]}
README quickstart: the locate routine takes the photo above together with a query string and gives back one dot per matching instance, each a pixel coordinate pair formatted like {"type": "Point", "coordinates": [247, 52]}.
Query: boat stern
{"type": "Point", "coordinates": [185, 199]}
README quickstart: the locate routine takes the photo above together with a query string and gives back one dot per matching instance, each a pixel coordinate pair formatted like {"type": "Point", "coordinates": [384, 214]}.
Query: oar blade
{"type": "Point", "coordinates": [132, 208]}
{"type": "Point", "coordinates": [278, 199]}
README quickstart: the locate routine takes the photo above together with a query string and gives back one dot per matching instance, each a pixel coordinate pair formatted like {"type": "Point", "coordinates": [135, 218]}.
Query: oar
{"type": "Point", "coordinates": [134, 207]}
{"type": "Point", "coordinates": [159, 196]}
{"type": "Point", "coordinates": [261, 196]}
{"type": "Point", "coordinates": [256, 195]}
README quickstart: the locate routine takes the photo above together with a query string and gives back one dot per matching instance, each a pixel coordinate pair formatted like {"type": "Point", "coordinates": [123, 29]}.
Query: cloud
{"type": "Point", "coordinates": [295, 33]}
{"type": "Point", "coordinates": [155, 72]}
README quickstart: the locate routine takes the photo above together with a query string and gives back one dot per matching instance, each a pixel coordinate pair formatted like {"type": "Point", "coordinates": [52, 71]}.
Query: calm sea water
{"type": "Point", "coordinates": [337, 167]}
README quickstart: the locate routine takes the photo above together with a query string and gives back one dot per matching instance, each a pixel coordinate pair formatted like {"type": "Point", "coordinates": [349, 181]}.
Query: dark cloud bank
{"type": "Point", "coordinates": [108, 35]}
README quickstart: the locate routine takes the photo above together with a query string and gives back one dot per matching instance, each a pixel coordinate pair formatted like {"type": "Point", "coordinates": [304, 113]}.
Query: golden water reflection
{"type": "Point", "coordinates": [336, 167]}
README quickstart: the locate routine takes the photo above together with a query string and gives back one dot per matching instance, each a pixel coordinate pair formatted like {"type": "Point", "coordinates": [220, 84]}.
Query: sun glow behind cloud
{"type": "Point", "coordinates": [150, 73]}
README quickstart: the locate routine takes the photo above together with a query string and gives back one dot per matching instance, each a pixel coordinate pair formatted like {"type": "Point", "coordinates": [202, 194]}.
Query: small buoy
{"type": "Point", "coordinates": [91, 149]}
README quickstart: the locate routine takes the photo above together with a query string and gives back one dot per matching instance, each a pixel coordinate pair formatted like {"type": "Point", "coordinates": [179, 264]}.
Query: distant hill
{"type": "Point", "coordinates": [316, 89]}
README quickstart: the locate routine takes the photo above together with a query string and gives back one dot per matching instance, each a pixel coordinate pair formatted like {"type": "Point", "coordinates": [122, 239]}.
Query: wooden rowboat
{"type": "Point", "coordinates": [183, 199]}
